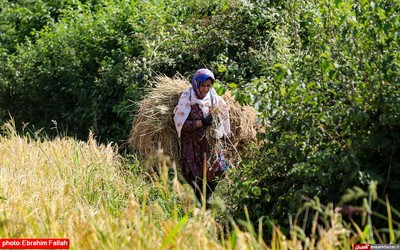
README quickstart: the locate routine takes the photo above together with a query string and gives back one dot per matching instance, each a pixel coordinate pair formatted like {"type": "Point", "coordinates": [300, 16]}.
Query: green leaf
{"type": "Point", "coordinates": [256, 191]}
{"type": "Point", "coordinates": [283, 91]}
{"type": "Point", "coordinates": [174, 231]}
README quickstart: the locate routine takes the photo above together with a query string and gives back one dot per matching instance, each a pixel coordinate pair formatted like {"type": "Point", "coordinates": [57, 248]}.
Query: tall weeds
{"type": "Point", "coordinates": [86, 192]}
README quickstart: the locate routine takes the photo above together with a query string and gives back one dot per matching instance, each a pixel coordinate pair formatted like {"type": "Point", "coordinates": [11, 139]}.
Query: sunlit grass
{"type": "Point", "coordinates": [79, 190]}
{"type": "Point", "coordinates": [88, 193]}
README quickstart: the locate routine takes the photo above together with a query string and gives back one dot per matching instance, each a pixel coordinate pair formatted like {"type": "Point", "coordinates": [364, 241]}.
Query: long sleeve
{"type": "Point", "coordinates": [189, 126]}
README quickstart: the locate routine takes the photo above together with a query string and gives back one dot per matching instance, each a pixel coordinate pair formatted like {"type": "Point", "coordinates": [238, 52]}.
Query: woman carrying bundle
{"type": "Point", "coordinates": [192, 117]}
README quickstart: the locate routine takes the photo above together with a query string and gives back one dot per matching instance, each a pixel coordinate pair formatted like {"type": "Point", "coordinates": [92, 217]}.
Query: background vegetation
{"type": "Point", "coordinates": [323, 74]}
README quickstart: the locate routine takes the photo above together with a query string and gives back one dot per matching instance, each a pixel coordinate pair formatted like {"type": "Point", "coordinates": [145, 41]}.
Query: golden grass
{"type": "Point", "coordinates": [78, 190]}
{"type": "Point", "coordinates": [153, 127]}
{"type": "Point", "coordinates": [83, 191]}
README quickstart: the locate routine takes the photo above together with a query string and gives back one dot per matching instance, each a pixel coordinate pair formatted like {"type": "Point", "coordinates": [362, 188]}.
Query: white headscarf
{"type": "Point", "coordinates": [211, 100]}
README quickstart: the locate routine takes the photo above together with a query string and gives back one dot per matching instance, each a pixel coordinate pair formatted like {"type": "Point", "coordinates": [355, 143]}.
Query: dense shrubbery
{"type": "Point", "coordinates": [324, 75]}
{"type": "Point", "coordinates": [331, 94]}
{"type": "Point", "coordinates": [87, 67]}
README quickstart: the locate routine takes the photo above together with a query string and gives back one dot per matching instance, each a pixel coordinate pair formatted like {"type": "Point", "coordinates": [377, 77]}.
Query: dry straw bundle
{"type": "Point", "coordinates": [154, 128]}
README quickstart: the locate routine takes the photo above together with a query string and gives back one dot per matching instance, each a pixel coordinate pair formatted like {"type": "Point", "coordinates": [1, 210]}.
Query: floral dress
{"type": "Point", "coordinates": [194, 145]}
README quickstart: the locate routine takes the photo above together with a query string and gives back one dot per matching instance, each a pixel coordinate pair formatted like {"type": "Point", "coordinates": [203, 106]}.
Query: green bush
{"type": "Point", "coordinates": [332, 102]}
{"type": "Point", "coordinates": [87, 69]}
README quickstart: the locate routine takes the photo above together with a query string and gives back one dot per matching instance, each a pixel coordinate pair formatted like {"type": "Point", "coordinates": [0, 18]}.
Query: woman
{"type": "Point", "coordinates": [192, 116]}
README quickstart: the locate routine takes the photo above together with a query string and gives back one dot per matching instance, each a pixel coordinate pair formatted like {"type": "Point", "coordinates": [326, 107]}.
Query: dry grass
{"type": "Point", "coordinates": [79, 190]}
{"type": "Point", "coordinates": [64, 188]}
{"type": "Point", "coordinates": [154, 127]}
{"type": "Point", "coordinates": [244, 128]}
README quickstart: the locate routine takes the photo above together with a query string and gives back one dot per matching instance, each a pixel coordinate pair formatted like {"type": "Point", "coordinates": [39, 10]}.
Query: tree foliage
{"type": "Point", "coordinates": [330, 91]}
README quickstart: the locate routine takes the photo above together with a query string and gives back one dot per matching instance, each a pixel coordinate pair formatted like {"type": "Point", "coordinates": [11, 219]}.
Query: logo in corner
{"type": "Point", "coordinates": [362, 247]}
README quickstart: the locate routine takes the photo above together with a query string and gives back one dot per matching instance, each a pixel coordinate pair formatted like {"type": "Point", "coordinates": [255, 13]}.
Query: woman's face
{"type": "Point", "coordinates": [205, 87]}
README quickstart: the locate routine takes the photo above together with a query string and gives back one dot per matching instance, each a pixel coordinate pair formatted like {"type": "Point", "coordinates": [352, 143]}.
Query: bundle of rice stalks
{"type": "Point", "coordinates": [244, 130]}
{"type": "Point", "coordinates": [154, 129]}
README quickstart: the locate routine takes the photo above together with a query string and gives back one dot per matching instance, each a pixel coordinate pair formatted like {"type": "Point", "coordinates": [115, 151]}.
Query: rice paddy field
{"type": "Point", "coordinates": [86, 192]}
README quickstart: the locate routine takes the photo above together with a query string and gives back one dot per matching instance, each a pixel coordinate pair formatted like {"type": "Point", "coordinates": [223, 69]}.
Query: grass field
{"type": "Point", "coordinates": [88, 193]}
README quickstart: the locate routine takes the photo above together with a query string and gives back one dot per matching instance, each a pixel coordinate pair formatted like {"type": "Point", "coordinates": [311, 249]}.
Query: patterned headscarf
{"type": "Point", "coordinates": [200, 77]}
{"type": "Point", "coordinates": [189, 98]}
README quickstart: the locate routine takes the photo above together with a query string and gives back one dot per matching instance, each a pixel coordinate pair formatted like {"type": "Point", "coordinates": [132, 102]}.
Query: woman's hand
{"type": "Point", "coordinates": [207, 121]}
